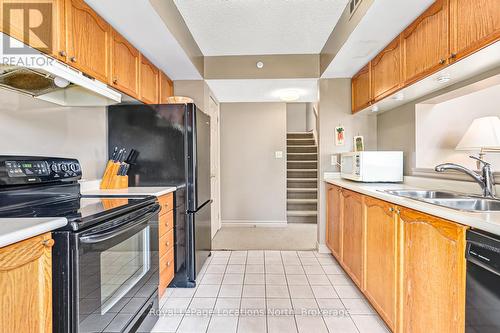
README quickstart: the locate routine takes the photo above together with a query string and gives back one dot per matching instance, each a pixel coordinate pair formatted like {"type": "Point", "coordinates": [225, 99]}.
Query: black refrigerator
{"type": "Point", "coordinates": [173, 141]}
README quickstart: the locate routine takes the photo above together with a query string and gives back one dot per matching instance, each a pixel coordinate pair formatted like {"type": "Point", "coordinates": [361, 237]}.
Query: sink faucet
{"type": "Point", "coordinates": [486, 180]}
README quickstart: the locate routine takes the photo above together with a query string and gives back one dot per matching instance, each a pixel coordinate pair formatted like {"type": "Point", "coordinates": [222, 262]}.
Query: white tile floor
{"type": "Point", "coordinates": [269, 291]}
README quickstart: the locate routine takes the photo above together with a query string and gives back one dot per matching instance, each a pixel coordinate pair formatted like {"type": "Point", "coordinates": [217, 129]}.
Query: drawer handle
{"type": "Point", "coordinates": [48, 243]}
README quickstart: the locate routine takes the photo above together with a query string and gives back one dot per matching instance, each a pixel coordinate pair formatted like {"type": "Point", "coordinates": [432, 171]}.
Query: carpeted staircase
{"type": "Point", "coordinates": [302, 178]}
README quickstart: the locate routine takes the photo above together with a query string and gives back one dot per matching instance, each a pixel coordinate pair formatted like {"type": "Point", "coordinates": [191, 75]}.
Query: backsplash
{"type": "Point", "coordinates": [32, 127]}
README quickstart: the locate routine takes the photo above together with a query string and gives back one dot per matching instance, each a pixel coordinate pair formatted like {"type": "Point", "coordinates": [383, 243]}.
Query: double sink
{"type": "Point", "coordinates": [458, 201]}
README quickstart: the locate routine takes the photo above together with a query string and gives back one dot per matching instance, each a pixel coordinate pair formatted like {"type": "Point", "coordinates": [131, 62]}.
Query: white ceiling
{"type": "Point", "coordinates": [232, 91]}
{"type": "Point", "coordinates": [384, 20]}
{"type": "Point", "coordinates": [139, 23]}
{"type": "Point", "coordinates": [247, 27]}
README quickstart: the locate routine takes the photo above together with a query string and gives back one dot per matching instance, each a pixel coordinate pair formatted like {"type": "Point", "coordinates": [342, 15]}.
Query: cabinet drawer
{"type": "Point", "coordinates": [166, 223]}
{"type": "Point", "coordinates": [166, 203]}
{"type": "Point", "coordinates": [166, 270]}
{"type": "Point", "coordinates": [166, 242]}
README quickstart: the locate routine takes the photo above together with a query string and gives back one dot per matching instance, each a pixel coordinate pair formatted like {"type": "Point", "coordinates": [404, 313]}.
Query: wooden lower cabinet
{"type": "Point", "coordinates": [381, 254]}
{"type": "Point", "coordinates": [410, 265]}
{"type": "Point", "coordinates": [166, 241]}
{"type": "Point", "coordinates": [334, 221]}
{"type": "Point", "coordinates": [352, 235]}
{"type": "Point", "coordinates": [26, 286]}
{"type": "Point", "coordinates": [432, 274]}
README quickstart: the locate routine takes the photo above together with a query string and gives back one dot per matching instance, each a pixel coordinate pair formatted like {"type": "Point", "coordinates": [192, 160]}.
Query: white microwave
{"type": "Point", "coordinates": [372, 166]}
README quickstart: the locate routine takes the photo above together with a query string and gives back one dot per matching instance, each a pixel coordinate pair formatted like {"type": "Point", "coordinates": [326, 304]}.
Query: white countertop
{"type": "Point", "coordinates": [489, 222]}
{"type": "Point", "coordinates": [131, 191]}
{"type": "Point", "coordinates": [18, 229]}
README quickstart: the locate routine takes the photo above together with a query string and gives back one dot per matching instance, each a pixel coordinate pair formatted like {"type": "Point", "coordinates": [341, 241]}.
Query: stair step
{"type": "Point", "coordinates": [298, 179]}
{"type": "Point", "coordinates": [300, 142]}
{"type": "Point", "coordinates": [302, 189]}
{"type": "Point", "coordinates": [302, 213]}
{"type": "Point", "coordinates": [303, 170]}
{"type": "Point", "coordinates": [302, 200]}
{"type": "Point", "coordinates": [302, 149]}
{"type": "Point", "coordinates": [300, 135]}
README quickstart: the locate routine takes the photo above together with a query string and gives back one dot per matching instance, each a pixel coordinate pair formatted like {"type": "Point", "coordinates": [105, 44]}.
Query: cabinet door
{"type": "Point", "coordinates": [352, 235]}
{"type": "Point", "coordinates": [166, 88]}
{"type": "Point", "coordinates": [380, 273]}
{"type": "Point", "coordinates": [474, 25]}
{"type": "Point", "coordinates": [26, 285]}
{"type": "Point", "coordinates": [433, 274]}
{"type": "Point", "coordinates": [361, 89]}
{"type": "Point", "coordinates": [334, 221]}
{"type": "Point", "coordinates": [386, 71]}
{"type": "Point", "coordinates": [125, 63]}
{"type": "Point", "coordinates": [88, 39]}
{"type": "Point", "coordinates": [46, 24]}
{"type": "Point", "coordinates": [425, 43]}
{"type": "Point", "coordinates": [149, 82]}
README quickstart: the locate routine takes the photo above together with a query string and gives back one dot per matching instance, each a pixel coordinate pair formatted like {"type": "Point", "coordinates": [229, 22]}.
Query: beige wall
{"type": "Point", "coordinates": [334, 110]}
{"type": "Point", "coordinates": [32, 127]}
{"type": "Point", "coordinates": [396, 128]}
{"type": "Point", "coordinates": [296, 117]}
{"type": "Point", "coordinates": [253, 181]}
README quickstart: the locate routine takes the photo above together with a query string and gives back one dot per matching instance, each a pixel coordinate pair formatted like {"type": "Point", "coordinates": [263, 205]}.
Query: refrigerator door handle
{"type": "Point", "coordinates": [201, 207]}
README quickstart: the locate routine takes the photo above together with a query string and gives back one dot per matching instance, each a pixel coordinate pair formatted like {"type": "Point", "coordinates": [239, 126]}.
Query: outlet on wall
{"type": "Point", "coordinates": [278, 154]}
{"type": "Point", "coordinates": [335, 159]}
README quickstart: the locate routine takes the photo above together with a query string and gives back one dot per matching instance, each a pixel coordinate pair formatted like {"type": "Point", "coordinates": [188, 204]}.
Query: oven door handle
{"type": "Point", "coordinates": [103, 236]}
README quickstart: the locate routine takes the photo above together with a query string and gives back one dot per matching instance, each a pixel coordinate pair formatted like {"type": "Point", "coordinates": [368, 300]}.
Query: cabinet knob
{"type": "Point", "coordinates": [168, 244]}
{"type": "Point", "coordinates": [168, 263]}
{"type": "Point", "coordinates": [48, 243]}
{"type": "Point", "coordinates": [391, 209]}
{"type": "Point", "coordinates": [453, 56]}
{"type": "Point", "coordinates": [442, 61]}
{"type": "Point", "coordinates": [72, 59]}
{"type": "Point", "coordinates": [115, 80]}
{"type": "Point", "coordinates": [62, 53]}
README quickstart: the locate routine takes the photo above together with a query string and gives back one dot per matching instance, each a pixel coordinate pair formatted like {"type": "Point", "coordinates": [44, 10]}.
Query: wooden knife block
{"type": "Point", "coordinates": [110, 179]}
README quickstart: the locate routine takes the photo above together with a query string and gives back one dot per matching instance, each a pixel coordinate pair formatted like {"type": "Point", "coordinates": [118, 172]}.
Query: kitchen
{"type": "Point", "coordinates": [145, 171]}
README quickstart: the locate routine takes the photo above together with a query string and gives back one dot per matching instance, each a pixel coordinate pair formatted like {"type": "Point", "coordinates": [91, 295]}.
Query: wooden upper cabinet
{"type": "Point", "coordinates": [352, 235]}
{"type": "Point", "coordinates": [334, 221]}
{"type": "Point", "coordinates": [150, 77]}
{"type": "Point", "coordinates": [433, 274]}
{"type": "Point", "coordinates": [46, 32]}
{"type": "Point", "coordinates": [381, 264]}
{"type": "Point", "coordinates": [473, 25]}
{"type": "Point", "coordinates": [26, 285]}
{"type": "Point", "coordinates": [166, 88]}
{"type": "Point", "coordinates": [88, 39]}
{"type": "Point", "coordinates": [386, 70]}
{"type": "Point", "coordinates": [125, 65]}
{"type": "Point", "coordinates": [425, 43]}
{"type": "Point", "coordinates": [361, 89]}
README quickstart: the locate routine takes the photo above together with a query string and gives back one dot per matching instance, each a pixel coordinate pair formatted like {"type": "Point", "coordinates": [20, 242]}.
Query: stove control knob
{"type": "Point", "coordinates": [64, 167]}
{"type": "Point", "coordinates": [54, 167]}
{"type": "Point", "coordinates": [74, 167]}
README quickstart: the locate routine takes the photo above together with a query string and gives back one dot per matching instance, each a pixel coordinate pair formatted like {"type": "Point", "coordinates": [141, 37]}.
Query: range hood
{"type": "Point", "coordinates": [35, 74]}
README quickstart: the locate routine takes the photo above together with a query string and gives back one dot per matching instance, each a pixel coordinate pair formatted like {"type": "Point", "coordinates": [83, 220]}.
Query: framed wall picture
{"type": "Point", "coordinates": [359, 144]}
{"type": "Point", "coordinates": [339, 135]}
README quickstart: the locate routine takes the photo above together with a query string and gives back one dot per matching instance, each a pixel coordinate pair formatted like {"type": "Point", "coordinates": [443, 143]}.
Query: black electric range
{"type": "Point", "coordinates": [104, 261]}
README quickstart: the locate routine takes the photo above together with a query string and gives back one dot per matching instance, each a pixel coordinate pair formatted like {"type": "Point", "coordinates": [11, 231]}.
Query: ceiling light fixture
{"type": "Point", "coordinates": [288, 95]}
{"type": "Point", "coordinates": [260, 64]}
{"type": "Point", "coordinates": [444, 78]}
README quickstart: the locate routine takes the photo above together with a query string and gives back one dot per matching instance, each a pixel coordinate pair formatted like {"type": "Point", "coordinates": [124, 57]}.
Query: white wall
{"type": "Point", "coordinates": [32, 127]}
{"type": "Point", "coordinates": [440, 127]}
{"type": "Point", "coordinates": [253, 181]}
{"type": "Point", "coordinates": [296, 117]}
{"type": "Point", "coordinates": [334, 110]}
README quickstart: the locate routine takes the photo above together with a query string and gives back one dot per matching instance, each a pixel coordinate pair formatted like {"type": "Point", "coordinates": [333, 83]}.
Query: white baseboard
{"type": "Point", "coordinates": [255, 224]}
{"type": "Point", "coordinates": [322, 248]}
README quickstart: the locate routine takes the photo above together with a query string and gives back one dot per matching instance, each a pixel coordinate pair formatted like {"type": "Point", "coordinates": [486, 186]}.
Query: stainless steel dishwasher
{"type": "Point", "coordinates": [483, 283]}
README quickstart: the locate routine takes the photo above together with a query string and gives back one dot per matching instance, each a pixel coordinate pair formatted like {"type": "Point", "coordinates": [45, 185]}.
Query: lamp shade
{"type": "Point", "coordinates": [483, 133]}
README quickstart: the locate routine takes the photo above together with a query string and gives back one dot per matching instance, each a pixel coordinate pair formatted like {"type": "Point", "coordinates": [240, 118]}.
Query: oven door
{"type": "Point", "coordinates": [117, 272]}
